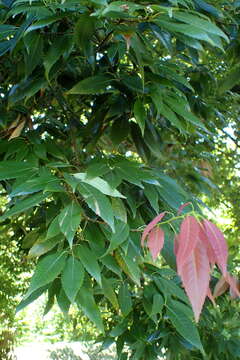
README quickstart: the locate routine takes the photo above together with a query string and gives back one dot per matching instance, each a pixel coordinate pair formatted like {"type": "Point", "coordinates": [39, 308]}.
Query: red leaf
{"type": "Point", "coordinates": [155, 241]}
{"type": "Point", "coordinates": [195, 275]}
{"type": "Point", "coordinates": [218, 244]}
{"type": "Point", "coordinates": [150, 226]}
{"type": "Point", "coordinates": [187, 240]}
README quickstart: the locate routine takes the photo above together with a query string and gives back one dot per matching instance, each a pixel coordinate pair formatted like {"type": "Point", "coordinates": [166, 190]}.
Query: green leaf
{"type": "Point", "coordinates": [200, 23]}
{"type": "Point", "coordinates": [92, 85]}
{"type": "Point", "coordinates": [180, 108]}
{"type": "Point", "coordinates": [89, 261]}
{"type": "Point", "coordinates": [63, 301]}
{"type": "Point", "coordinates": [185, 326]}
{"type": "Point", "coordinates": [14, 169]}
{"type": "Point", "coordinates": [72, 277]}
{"type": "Point", "coordinates": [109, 292]}
{"type": "Point", "coordinates": [47, 269]}
{"type": "Point", "coordinates": [60, 46]}
{"type": "Point", "coordinates": [99, 184]}
{"type": "Point", "coordinates": [45, 182]}
{"type": "Point", "coordinates": [85, 301]}
{"type": "Point", "coordinates": [69, 220]}
{"type": "Point", "coordinates": [44, 245]}
{"type": "Point", "coordinates": [32, 297]}
{"type": "Point", "coordinates": [98, 202]}
{"type": "Point", "coordinates": [230, 80]}
{"type": "Point", "coordinates": [25, 204]}
{"type": "Point", "coordinates": [34, 45]}
{"type": "Point", "coordinates": [53, 229]}
{"type": "Point", "coordinates": [140, 114]}
{"type": "Point", "coordinates": [42, 23]}
{"type": "Point", "coordinates": [84, 32]}
{"type": "Point", "coordinates": [121, 234]}
{"type": "Point", "coordinates": [152, 195]}
{"type": "Point", "coordinates": [168, 287]}
{"type": "Point", "coordinates": [158, 303]}
{"type": "Point", "coordinates": [125, 300]}
{"type": "Point", "coordinates": [119, 210]}
{"type": "Point", "coordinates": [111, 264]}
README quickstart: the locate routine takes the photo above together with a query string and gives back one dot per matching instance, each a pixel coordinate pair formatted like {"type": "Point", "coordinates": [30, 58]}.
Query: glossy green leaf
{"type": "Point", "coordinates": [99, 184]}
{"type": "Point", "coordinates": [69, 220]}
{"type": "Point", "coordinates": [98, 202]}
{"type": "Point", "coordinates": [72, 277]}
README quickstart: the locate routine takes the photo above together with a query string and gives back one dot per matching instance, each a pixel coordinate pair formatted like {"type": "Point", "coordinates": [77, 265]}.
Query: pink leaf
{"type": "Point", "coordinates": [175, 246]}
{"type": "Point", "coordinates": [218, 244]}
{"type": "Point", "coordinates": [187, 240]}
{"type": "Point", "coordinates": [195, 275]}
{"type": "Point", "coordinates": [150, 226]}
{"type": "Point", "coordinates": [155, 241]}
{"type": "Point", "coordinates": [180, 209]}
{"type": "Point", "coordinates": [204, 239]}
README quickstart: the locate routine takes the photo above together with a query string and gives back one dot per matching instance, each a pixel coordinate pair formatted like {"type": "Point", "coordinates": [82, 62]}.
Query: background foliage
{"type": "Point", "coordinates": [111, 112]}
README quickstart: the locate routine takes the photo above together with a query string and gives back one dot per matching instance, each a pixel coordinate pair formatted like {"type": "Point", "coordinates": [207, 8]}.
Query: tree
{"type": "Point", "coordinates": [110, 113]}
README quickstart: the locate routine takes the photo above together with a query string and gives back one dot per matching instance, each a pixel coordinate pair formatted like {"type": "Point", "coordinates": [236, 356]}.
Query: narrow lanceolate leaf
{"type": "Point", "coordinates": [25, 204]}
{"type": "Point", "coordinates": [69, 220]}
{"type": "Point", "coordinates": [184, 325]}
{"type": "Point", "coordinates": [72, 277]}
{"type": "Point", "coordinates": [218, 244]}
{"type": "Point", "coordinates": [155, 241]}
{"type": "Point", "coordinates": [121, 234]}
{"type": "Point", "coordinates": [85, 300]}
{"type": "Point", "coordinates": [125, 300]}
{"type": "Point", "coordinates": [140, 115]}
{"type": "Point", "coordinates": [108, 291]}
{"type": "Point", "coordinates": [187, 240]}
{"type": "Point", "coordinates": [195, 275]}
{"type": "Point", "coordinates": [15, 169]}
{"type": "Point", "coordinates": [150, 226]}
{"type": "Point", "coordinates": [47, 269]}
{"type": "Point", "coordinates": [98, 202]}
{"type": "Point", "coordinates": [91, 85]}
{"type": "Point", "coordinates": [99, 184]}
{"type": "Point", "coordinates": [89, 261]}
